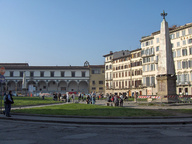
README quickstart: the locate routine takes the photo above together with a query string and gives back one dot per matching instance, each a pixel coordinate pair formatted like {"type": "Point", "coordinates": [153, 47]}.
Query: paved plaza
{"type": "Point", "coordinates": [38, 129]}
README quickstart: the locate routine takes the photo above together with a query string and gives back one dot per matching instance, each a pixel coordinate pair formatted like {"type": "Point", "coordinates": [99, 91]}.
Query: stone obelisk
{"type": "Point", "coordinates": [166, 78]}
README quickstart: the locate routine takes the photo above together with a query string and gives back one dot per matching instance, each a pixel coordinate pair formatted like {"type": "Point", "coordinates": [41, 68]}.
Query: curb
{"type": "Point", "coordinates": [99, 120]}
{"type": "Point", "coordinates": [104, 117]}
{"type": "Point", "coordinates": [101, 123]}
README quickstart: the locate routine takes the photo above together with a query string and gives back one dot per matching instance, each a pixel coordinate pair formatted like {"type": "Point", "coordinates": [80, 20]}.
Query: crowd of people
{"type": "Point", "coordinates": [117, 100]}
{"type": "Point", "coordinates": [89, 98]}
{"type": "Point", "coordinates": [68, 97]}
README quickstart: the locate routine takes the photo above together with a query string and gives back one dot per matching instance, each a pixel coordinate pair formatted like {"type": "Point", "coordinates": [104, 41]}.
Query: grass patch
{"type": "Point", "coordinates": [90, 110]}
{"type": "Point", "coordinates": [184, 111]}
{"type": "Point", "coordinates": [30, 101]}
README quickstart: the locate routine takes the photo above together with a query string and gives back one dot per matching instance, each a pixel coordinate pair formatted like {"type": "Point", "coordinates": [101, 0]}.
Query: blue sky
{"type": "Point", "coordinates": [69, 32]}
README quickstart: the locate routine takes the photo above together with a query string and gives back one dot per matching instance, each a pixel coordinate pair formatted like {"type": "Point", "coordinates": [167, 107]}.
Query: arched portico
{"type": "Point", "coordinates": [42, 86]}
{"type": "Point", "coordinates": [11, 85]}
{"type": "Point", "coordinates": [52, 86]}
{"type": "Point", "coordinates": [62, 86]}
{"type": "Point", "coordinates": [19, 86]}
{"type": "Point", "coordinates": [31, 85]}
{"type": "Point", "coordinates": [72, 86]}
{"type": "Point", "coordinates": [83, 87]}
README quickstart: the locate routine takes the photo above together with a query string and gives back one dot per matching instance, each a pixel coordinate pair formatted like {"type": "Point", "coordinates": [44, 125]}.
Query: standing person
{"type": "Point", "coordinates": [82, 96]}
{"type": "Point", "coordinates": [79, 97]}
{"type": "Point", "coordinates": [73, 97]}
{"type": "Point", "coordinates": [67, 96]}
{"type": "Point", "coordinates": [88, 99]}
{"type": "Point", "coordinates": [8, 101]}
{"type": "Point", "coordinates": [4, 99]}
{"type": "Point", "coordinates": [121, 100]}
{"type": "Point", "coordinates": [93, 95]}
{"type": "Point", "coordinates": [56, 96]}
{"type": "Point", "coordinates": [59, 96]}
{"type": "Point", "coordinates": [135, 96]}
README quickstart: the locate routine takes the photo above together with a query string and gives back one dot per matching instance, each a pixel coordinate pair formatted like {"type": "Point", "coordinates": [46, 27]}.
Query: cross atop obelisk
{"type": "Point", "coordinates": [163, 14]}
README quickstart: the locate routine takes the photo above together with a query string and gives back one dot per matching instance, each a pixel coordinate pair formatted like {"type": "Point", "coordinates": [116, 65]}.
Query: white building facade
{"type": "Point", "coordinates": [125, 72]}
{"type": "Point", "coordinates": [181, 40]}
{"type": "Point", "coordinates": [46, 78]}
{"type": "Point", "coordinates": [137, 72]}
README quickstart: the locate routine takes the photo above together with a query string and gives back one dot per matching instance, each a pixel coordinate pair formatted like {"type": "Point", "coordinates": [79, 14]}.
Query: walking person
{"type": "Point", "coordinates": [8, 100]}
{"type": "Point", "coordinates": [73, 97]}
{"type": "Point", "coordinates": [93, 96]}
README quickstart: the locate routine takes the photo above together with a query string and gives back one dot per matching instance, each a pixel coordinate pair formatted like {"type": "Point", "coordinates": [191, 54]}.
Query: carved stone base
{"type": "Point", "coordinates": [166, 88]}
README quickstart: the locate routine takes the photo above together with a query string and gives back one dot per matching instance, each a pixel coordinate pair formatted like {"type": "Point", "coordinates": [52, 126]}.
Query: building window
{"type": "Point", "coordinates": [100, 88]}
{"type": "Point", "coordinates": [148, 67]}
{"type": "Point", "coordinates": [172, 45]}
{"type": "Point", "coordinates": [93, 88]}
{"type": "Point", "coordinates": [190, 63]}
{"type": "Point", "coordinates": [179, 65]}
{"type": "Point", "coordinates": [178, 53]}
{"type": "Point", "coordinates": [184, 64]}
{"type": "Point", "coordinates": [42, 74]}
{"type": "Point", "coordinates": [95, 71]}
{"type": "Point", "coordinates": [100, 82]}
{"type": "Point", "coordinates": [144, 81]}
{"type": "Point", "coordinates": [105, 68]}
{"type": "Point", "coordinates": [147, 81]}
{"type": "Point", "coordinates": [83, 74]}
{"type": "Point", "coordinates": [144, 68]}
{"type": "Point", "coordinates": [157, 48]}
{"type": "Point", "coordinates": [147, 43]}
{"type": "Point", "coordinates": [190, 31]}
{"type": "Point", "coordinates": [178, 44]}
{"type": "Point", "coordinates": [31, 74]}
{"type": "Point", "coordinates": [184, 52]}
{"type": "Point", "coordinates": [177, 34]}
{"type": "Point", "coordinates": [172, 36]}
{"type": "Point", "coordinates": [184, 42]}
{"type": "Point", "coordinates": [21, 74]}
{"type": "Point", "coordinates": [152, 81]}
{"type": "Point", "coordinates": [52, 74]}
{"type": "Point", "coordinates": [72, 74]}
{"type": "Point", "coordinates": [174, 54]}
{"type": "Point", "coordinates": [11, 73]}
{"type": "Point", "coordinates": [190, 50]}
{"type": "Point", "coordinates": [190, 41]}
{"type": "Point", "coordinates": [183, 32]}
{"type": "Point", "coordinates": [152, 67]}
{"type": "Point", "coordinates": [116, 84]}
{"type": "Point", "coordinates": [62, 74]}
{"type": "Point", "coordinates": [93, 82]}
{"type": "Point", "coordinates": [186, 77]}
{"type": "Point", "coordinates": [178, 78]}
{"type": "Point", "coordinates": [157, 40]}
{"type": "Point", "coordinates": [191, 76]}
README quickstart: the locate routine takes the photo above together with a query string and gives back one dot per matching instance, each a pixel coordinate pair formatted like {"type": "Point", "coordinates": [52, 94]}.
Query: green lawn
{"type": "Point", "coordinates": [184, 111]}
{"type": "Point", "coordinates": [90, 110]}
{"type": "Point", "coordinates": [26, 101]}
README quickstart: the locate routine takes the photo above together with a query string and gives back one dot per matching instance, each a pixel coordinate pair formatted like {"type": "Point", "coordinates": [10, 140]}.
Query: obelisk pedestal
{"type": "Point", "coordinates": [167, 88]}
